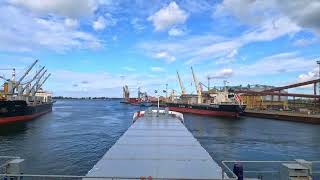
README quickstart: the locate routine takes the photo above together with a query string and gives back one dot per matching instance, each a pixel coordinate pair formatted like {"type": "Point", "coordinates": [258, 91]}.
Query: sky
{"type": "Point", "coordinates": [94, 47]}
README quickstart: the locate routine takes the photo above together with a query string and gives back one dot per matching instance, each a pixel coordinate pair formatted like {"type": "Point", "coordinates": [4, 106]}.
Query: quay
{"type": "Point", "coordinates": [158, 146]}
{"type": "Point", "coordinates": [285, 116]}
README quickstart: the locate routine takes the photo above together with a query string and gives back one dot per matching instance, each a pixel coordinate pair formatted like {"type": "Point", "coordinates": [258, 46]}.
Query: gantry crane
{"type": "Point", "coordinates": [197, 86]}
{"type": "Point", "coordinates": [183, 90]}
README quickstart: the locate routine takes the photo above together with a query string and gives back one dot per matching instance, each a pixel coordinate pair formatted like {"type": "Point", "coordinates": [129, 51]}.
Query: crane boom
{"type": "Point", "coordinates": [183, 90]}
{"type": "Point", "coordinates": [39, 86]}
{"type": "Point", "coordinates": [198, 89]}
{"type": "Point", "coordinates": [36, 83]}
{"type": "Point", "coordinates": [34, 77]}
{"type": "Point", "coordinates": [23, 76]}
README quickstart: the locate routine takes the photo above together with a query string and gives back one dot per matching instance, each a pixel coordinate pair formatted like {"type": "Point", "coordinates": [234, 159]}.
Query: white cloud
{"type": "Point", "coordinates": [137, 24]}
{"type": "Point", "coordinates": [247, 11]}
{"type": "Point", "coordinates": [176, 32]}
{"type": "Point", "coordinates": [103, 21]}
{"type": "Point", "coordinates": [165, 55]}
{"type": "Point", "coordinates": [232, 54]}
{"type": "Point", "coordinates": [72, 23]}
{"type": "Point", "coordinates": [222, 74]}
{"type": "Point", "coordinates": [303, 13]}
{"type": "Point", "coordinates": [60, 7]}
{"type": "Point", "coordinates": [275, 64]}
{"type": "Point", "coordinates": [78, 84]}
{"type": "Point", "coordinates": [99, 24]}
{"type": "Point", "coordinates": [309, 75]}
{"type": "Point", "coordinates": [194, 49]}
{"type": "Point", "coordinates": [157, 69]}
{"type": "Point", "coordinates": [29, 32]}
{"type": "Point", "coordinates": [168, 16]}
{"type": "Point", "coordinates": [304, 42]}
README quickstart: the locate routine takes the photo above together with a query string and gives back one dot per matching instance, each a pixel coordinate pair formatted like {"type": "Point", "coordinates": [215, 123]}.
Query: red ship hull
{"type": "Point", "coordinates": [13, 119]}
{"type": "Point", "coordinates": [19, 111]}
{"type": "Point", "coordinates": [204, 112]}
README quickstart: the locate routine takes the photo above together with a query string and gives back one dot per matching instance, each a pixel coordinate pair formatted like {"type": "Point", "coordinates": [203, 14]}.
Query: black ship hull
{"type": "Point", "coordinates": [17, 111]}
{"type": "Point", "coordinates": [229, 110]}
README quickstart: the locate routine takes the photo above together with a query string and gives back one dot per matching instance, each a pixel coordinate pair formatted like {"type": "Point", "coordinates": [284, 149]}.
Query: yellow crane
{"type": "Point", "coordinates": [198, 89]}
{"type": "Point", "coordinates": [183, 90]}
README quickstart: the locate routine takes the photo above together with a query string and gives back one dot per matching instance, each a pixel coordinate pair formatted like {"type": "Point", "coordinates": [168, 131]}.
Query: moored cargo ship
{"type": "Point", "coordinates": [24, 101]}
{"type": "Point", "coordinates": [229, 110]}
{"type": "Point", "coordinates": [214, 102]}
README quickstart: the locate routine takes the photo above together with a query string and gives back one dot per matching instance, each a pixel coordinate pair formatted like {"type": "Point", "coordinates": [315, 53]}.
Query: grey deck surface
{"type": "Point", "coordinates": [160, 147]}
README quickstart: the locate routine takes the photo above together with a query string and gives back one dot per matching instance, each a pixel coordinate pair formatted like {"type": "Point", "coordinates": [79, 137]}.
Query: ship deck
{"type": "Point", "coordinates": [159, 147]}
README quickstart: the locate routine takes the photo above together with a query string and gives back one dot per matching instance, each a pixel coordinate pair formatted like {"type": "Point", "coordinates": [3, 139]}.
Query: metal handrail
{"type": "Point", "coordinates": [228, 170]}
{"type": "Point", "coordinates": [99, 177]}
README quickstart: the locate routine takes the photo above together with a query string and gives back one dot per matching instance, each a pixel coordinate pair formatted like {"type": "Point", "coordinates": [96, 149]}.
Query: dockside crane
{"type": "Point", "coordinates": [34, 77]}
{"type": "Point", "coordinates": [16, 84]}
{"type": "Point", "coordinates": [183, 90]}
{"type": "Point", "coordinates": [33, 88]}
{"type": "Point", "coordinates": [197, 86]}
{"type": "Point", "coordinates": [40, 85]}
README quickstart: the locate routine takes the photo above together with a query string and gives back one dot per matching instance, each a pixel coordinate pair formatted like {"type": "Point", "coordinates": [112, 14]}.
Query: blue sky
{"type": "Point", "coordinates": [94, 47]}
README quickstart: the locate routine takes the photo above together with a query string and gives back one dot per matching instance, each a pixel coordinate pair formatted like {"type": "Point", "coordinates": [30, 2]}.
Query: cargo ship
{"type": "Point", "coordinates": [142, 100]}
{"type": "Point", "coordinates": [23, 101]}
{"type": "Point", "coordinates": [227, 110]}
{"type": "Point", "coordinates": [213, 102]}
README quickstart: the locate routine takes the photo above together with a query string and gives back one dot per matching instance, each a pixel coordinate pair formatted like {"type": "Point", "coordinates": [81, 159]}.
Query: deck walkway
{"type": "Point", "coordinates": [160, 147]}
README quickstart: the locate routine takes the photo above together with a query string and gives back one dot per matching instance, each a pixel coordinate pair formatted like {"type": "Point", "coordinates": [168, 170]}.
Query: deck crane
{"type": "Point", "coordinates": [40, 85]}
{"type": "Point", "coordinates": [13, 74]}
{"type": "Point", "coordinates": [197, 86]}
{"type": "Point", "coordinates": [183, 90]}
{"type": "Point", "coordinates": [34, 77]}
{"type": "Point", "coordinates": [16, 84]}
{"type": "Point", "coordinates": [35, 84]}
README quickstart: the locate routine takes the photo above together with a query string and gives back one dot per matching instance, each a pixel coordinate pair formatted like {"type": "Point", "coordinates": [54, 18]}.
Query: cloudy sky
{"type": "Point", "coordinates": [93, 47]}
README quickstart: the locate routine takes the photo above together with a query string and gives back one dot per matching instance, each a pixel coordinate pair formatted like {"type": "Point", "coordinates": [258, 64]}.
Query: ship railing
{"type": "Point", "coordinates": [72, 177]}
{"type": "Point", "coordinates": [4, 175]}
{"type": "Point", "coordinates": [155, 112]}
{"type": "Point", "coordinates": [266, 170]}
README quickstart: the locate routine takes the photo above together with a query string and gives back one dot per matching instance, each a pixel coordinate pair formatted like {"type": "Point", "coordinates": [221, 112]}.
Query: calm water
{"type": "Point", "coordinates": [72, 138]}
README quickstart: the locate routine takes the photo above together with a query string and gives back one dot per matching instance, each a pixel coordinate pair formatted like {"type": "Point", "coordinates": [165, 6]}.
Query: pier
{"type": "Point", "coordinates": [157, 145]}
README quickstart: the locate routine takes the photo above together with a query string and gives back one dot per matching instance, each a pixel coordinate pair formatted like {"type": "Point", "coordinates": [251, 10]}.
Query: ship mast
{"type": "Point", "coordinates": [183, 90]}
{"type": "Point", "coordinates": [198, 89]}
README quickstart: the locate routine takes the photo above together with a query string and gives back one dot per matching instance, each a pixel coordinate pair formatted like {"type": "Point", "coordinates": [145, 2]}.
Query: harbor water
{"type": "Point", "coordinates": [72, 138]}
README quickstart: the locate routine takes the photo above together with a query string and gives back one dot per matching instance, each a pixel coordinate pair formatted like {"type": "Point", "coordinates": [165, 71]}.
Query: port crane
{"type": "Point", "coordinates": [34, 77]}
{"type": "Point", "coordinates": [197, 86]}
{"type": "Point", "coordinates": [183, 90]}
{"type": "Point", "coordinates": [16, 84]}
{"type": "Point", "coordinates": [33, 88]}
{"type": "Point", "coordinates": [40, 85]}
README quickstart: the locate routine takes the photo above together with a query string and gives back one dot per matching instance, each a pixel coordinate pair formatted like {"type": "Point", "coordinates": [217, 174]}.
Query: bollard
{"type": "Point", "coordinates": [238, 170]}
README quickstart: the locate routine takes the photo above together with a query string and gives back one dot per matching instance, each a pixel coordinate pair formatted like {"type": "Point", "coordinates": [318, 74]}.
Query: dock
{"type": "Point", "coordinates": [157, 145]}
{"type": "Point", "coordinates": [285, 116]}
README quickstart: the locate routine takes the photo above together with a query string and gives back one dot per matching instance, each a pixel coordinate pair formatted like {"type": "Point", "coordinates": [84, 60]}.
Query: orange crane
{"type": "Point", "coordinates": [183, 90]}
